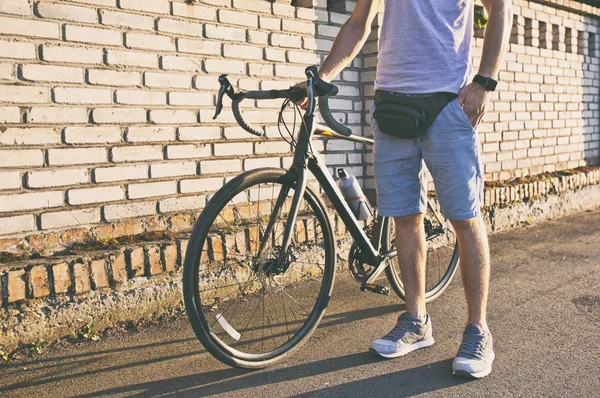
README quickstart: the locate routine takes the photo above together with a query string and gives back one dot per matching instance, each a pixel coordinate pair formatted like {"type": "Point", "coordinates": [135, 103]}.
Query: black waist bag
{"type": "Point", "coordinates": [406, 115]}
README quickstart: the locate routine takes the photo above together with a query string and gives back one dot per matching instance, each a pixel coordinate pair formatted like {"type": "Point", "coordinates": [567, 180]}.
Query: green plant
{"type": "Point", "coordinates": [3, 354]}
{"type": "Point", "coordinates": [39, 346]}
{"type": "Point", "coordinates": [480, 19]}
{"type": "Point", "coordinates": [87, 332]}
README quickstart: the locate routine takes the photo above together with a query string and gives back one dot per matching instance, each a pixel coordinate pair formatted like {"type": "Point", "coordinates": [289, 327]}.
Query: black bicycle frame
{"type": "Point", "coordinates": [305, 159]}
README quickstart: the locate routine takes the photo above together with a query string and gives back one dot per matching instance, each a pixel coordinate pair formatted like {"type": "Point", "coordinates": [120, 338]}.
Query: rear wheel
{"type": "Point", "coordinates": [442, 255]}
{"type": "Point", "coordinates": [245, 308]}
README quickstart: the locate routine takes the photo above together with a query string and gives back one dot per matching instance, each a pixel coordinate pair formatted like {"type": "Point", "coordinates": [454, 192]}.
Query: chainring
{"type": "Point", "coordinates": [360, 271]}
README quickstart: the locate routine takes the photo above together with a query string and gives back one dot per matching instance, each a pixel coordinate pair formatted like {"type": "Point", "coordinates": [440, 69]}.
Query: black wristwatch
{"type": "Point", "coordinates": [487, 82]}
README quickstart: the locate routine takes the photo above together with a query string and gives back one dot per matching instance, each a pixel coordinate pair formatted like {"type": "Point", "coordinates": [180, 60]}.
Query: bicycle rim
{"type": "Point", "coordinates": [244, 313]}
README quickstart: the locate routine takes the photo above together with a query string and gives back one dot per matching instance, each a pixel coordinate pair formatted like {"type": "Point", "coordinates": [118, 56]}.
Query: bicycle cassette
{"type": "Point", "coordinates": [358, 269]}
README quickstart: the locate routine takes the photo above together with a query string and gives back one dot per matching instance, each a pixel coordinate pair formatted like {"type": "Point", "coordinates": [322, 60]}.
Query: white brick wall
{"type": "Point", "coordinates": [106, 106]}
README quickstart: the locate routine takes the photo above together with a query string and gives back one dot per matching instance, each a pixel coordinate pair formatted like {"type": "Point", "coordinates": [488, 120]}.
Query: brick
{"type": "Point", "coordinates": [126, 20]}
{"type": "Point", "coordinates": [17, 7]}
{"type": "Point", "coordinates": [194, 11]}
{"type": "Point", "coordinates": [225, 66]}
{"type": "Point", "coordinates": [200, 185]}
{"type": "Point", "coordinates": [188, 151]}
{"type": "Point", "coordinates": [66, 12]}
{"type": "Point", "coordinates": [10, 180]}
{"type": "Point", "coordinates": [167, 80]}
{"type": "Point", "coordinates": [28, 27]}
{"type": "Point", "coordinates": [252, 5]}
{"type": "Point", "coordinates": [119, 115]}
{"type": "Point", "coordinates": [38, 279]}
{"type": "Point", "coordinates": [151, 189]}
{"type": "Point", "coordinates": [305, 58]}
{"type": "Point", "coordinates": [225, 33]}
{"type": "Point", "coordinates": [190, 99]}
{"type": "Point", "coordinates": [57, 115]}
{"type": "Point", "coordinates": [196, 133]}
{"type": "Point", "coordinates": [76, 156]}
{"type": "Point", "coordinates": [140, 97]}
{"type": "Point", "coordinates": [29, 136]}
{"type": "Point", "coordinates": [17, 224]}
{"type": "Point", "coordinates": [181, 203]}
{"type": "Point", "coordinates": [149, 42]}
{"type": "Point", "coordinates": [71, 54]}
{"type": "Point", "coordinates": [73, 95]}
{"type": "Point", "coordinates": [205, 47]}
{"type": "Point", "coordinates": [155, 6]}
{"type": "Point", "coordinates": [178, 27]}
{"type": "Point", "coordinates": [229, 149]}
{"type": "Point", "coordinates": [256, 37]}
{"type": "Point", "coordinates": [155, 265]}
{"type": "Point", "coordinates": [131, 58]}
{"type": "Point", "coordinates": [92, 135]}
{"type": "Point", "coordinates": [50, 73]}
{"type": "Point", "coordinates": [21, 157]}
{"type": "Point", "coordinates": [17, 50]}
{"type": "Point", "coordinates": [113, 78]}
{"type": "Point", "coordinates": [208, 83]}
{"type": "Point", "coordinates": [61, 278]}
{"type": "Point", "coordinates": [10, 114]}
{"type": "Point", "coordinates": [289, 71]}
{"type": "Point", "coordinates": [136, 153]}
{"type": "Point", "coordinates": [283, 40]}
{"type": "Point", "coordinates": [7, 71]}
{"type": "Point", "coordinates": [150, 134]}
{"type": "Point", "coordinates": [220, 166]}
{"type": "Point", "coordinates": [273, 54]}
{"type": "Point", "coordinates": [94, 195]}
{"type": "Point", "coordinates": [272, 147]}
{"type": "Point", "coordinates": [56, 178]}
{"type": "Point", "coordinates": [269, 23]}
{"type": "Point", "coordinates": [242, 51]}
{"type": "Point", "coordinates": [120, 173]}
{"type": "Point", "coordinates": [177, 62]}
{"type": "Point", "coordinates": [70, 218]}
{"type": "Point", "coordinates": [16, 286]}
{"type": "Point", "coordinates": [291, 25]}
{"type": "Point", "coordinates": [169, 257]}
{"type": "Point", "coordinates": [81, 278]}
{"type": "Point", "coordinates": [28, 201]}
{"type": "Point", "coordinates": [136, 261]}
{"type": "Point", "coordinates": [168, 116]}
{"type": "Point", "coordinates": [86, 34]}
{"type": "Point", "coordinates": [129, 210]}
{"type": "Point", "coordinates": [172, 169]}
{"type": "Point", "coordinates": [117, 266]}
{"type": "Point", "coordinates": [99, 275]}
{"type": "Point", "coordinates": [238, 18]}
{"type": "Point", "coordinates": [283, 9]}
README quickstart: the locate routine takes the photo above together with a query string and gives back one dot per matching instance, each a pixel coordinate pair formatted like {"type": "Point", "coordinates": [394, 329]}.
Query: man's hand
{"type": "Point", "coordinates": [303, 102]}
{"type": "Point", "coordinates": [473, 98]}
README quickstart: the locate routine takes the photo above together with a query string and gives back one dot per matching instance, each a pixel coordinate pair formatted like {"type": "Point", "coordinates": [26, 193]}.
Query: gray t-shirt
{"type": "Point", "coordinates": [425, 46]}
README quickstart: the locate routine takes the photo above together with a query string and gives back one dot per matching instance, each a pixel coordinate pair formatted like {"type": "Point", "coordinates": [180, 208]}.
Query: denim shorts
{"type": "Point", "coordinates": [450, 151]}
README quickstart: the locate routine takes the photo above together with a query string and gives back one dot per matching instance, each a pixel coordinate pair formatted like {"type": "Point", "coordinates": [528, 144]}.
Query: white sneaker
{"type": "Point", "coordinates": [408, 335]}
{"type": "Point", "coordinates": [475, 355]}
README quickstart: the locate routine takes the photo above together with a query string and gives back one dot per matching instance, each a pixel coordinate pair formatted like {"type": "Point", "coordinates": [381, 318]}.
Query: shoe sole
{"type": "Point", "coordinates": [405, 350]}
{"type": "Point", "coordinates": [474, 375]}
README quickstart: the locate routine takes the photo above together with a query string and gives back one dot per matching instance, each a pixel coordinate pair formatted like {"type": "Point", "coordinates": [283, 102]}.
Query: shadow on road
{"type": "Point", "coordinates": [423, 379]}
{"type": "Point", "coordinates": [58, 369]}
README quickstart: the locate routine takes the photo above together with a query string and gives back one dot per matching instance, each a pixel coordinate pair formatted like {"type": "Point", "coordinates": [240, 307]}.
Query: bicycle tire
{"type": "Point", "coordinates": [441, 280]}
{"type": "Point", "coordinates": [200, 236]}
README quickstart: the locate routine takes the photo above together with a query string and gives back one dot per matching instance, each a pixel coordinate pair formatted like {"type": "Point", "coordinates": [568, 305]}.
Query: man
{"type": "Point", "coordinates": [425, 47]}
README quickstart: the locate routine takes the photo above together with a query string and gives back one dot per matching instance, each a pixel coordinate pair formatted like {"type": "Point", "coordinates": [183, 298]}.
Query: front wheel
{"type": "Point", "coordinates": [247, 309]}
{"type": "Point", "coordinates": [442, 255]}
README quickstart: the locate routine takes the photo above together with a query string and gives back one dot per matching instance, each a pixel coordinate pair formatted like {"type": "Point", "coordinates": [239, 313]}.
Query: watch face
{"type": "Point", "coordinates": [491, 84]}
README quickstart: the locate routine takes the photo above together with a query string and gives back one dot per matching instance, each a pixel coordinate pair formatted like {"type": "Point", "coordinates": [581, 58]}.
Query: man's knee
{"type": "Point", "coordinates": [411, 221]}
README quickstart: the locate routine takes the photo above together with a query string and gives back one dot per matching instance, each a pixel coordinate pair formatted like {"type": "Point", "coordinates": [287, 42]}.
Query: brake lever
{"type": "Point", "coordinates": [226, 88]}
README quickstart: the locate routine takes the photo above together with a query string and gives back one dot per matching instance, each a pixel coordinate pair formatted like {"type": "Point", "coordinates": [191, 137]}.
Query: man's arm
{"type": "Point", "coordinates": [350, 39]}
{"type": "Point", "coordinates": [473, 97]}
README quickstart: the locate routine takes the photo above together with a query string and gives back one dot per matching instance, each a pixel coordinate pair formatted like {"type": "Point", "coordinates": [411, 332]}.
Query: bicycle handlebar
{"type": "Point", "coordinates": [322, 89]}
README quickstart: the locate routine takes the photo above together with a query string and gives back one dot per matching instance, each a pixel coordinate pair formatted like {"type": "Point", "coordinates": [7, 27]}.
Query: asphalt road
{"type": "Point", "coordinates": [544, 314]}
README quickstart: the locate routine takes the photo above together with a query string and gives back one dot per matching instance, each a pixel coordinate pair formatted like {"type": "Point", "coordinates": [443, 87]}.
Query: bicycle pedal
{"type": "Point", "coordinates": [377, 289]}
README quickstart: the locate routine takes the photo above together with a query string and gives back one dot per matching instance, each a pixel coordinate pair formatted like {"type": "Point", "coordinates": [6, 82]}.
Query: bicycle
{"type": "Point", "coordinates": [247, 254]}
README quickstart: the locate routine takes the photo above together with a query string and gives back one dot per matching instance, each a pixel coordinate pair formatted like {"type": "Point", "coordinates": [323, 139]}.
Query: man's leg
{"type": "Point", "coordinates": [475, 267]}
{"type": "Point", "coordinates": [476, 353]}
{"type": "Point", "coordinates": [410, 243]}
